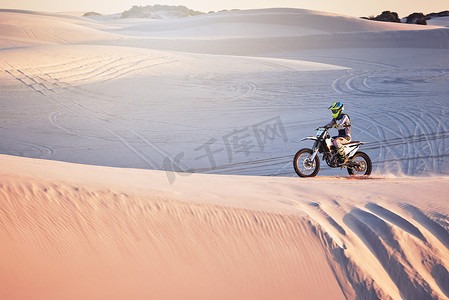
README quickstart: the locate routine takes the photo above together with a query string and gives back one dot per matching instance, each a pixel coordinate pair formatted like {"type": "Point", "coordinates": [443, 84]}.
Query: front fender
{"type": "Point", "coordinates": [309, 138]}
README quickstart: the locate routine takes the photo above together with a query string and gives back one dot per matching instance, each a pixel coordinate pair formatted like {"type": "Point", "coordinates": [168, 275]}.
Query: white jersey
{"type": "Point", "coordinates": [343, 125]}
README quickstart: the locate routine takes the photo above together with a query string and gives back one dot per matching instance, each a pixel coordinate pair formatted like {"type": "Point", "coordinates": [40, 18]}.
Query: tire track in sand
{"type": "Point", "coordinates": [130, 138]}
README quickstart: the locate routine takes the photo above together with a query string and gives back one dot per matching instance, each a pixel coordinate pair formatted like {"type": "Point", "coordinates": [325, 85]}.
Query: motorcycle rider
{"type": "Point", "coordinates": [342, 123]}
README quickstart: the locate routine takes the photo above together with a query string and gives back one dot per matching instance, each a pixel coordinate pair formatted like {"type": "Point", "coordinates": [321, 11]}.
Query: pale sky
{"type": "Point", "coordinates": [355, 8]}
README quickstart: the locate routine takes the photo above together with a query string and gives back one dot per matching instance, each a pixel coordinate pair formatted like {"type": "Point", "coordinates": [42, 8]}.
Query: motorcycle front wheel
{"type": "Point", "coordinates": [302, 164]}
{"type": "Point", "coordinates": [364, 165]}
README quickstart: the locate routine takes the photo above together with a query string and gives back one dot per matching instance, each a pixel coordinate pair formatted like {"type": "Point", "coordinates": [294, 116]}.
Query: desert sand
{"type": "Point", "coordinates": [77, 231]}
{"type": "Point", "coordinates": [151, 159]}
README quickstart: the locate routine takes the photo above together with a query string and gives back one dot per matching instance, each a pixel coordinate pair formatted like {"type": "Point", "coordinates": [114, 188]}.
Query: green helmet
{"type": "Point", "coordinates": [336, 108]}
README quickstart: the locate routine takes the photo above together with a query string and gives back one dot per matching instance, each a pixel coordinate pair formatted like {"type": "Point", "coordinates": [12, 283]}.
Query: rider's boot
{"type": "Point", "coordinates": [342, 156]}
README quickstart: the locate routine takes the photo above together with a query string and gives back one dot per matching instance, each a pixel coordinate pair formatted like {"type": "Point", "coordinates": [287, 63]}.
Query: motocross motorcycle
{"type": "Point", "coordinates": [307, 163]}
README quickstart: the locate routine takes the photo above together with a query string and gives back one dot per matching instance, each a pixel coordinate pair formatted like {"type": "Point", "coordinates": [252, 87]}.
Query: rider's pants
{"type": "Point", "coordinates": [340, 141]}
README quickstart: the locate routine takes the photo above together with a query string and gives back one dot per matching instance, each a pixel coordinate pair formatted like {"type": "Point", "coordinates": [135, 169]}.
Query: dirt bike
{"type": "Point", "coordinates": [307, 163]}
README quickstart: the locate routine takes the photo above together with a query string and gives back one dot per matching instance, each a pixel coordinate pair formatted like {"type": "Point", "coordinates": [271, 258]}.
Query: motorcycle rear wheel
{"type": "Point", "coordinates": [302, 164]}
{"type": "Point", "coordinates": [365, 165]}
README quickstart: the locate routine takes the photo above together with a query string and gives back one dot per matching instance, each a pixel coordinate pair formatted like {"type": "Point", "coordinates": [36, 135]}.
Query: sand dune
{"type": "Point", "coordinates": [21, 29]}
{"type": "Point", "coordinates": [271, 22]}
{"type": "Point", "coordinates": [92, 108]}
{"type": "Point", "coordinates": [245, 31]}
{"type": "Point", "coordinates": [91, 85]}
{"type": "Point", "coordinates": [95, 233]}
{"type": "Point", "coordinates": [265, 31]}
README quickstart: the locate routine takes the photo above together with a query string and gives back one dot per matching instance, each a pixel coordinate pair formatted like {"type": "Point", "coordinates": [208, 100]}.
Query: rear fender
{"type": "Point", "coordinates": [350, 150]}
